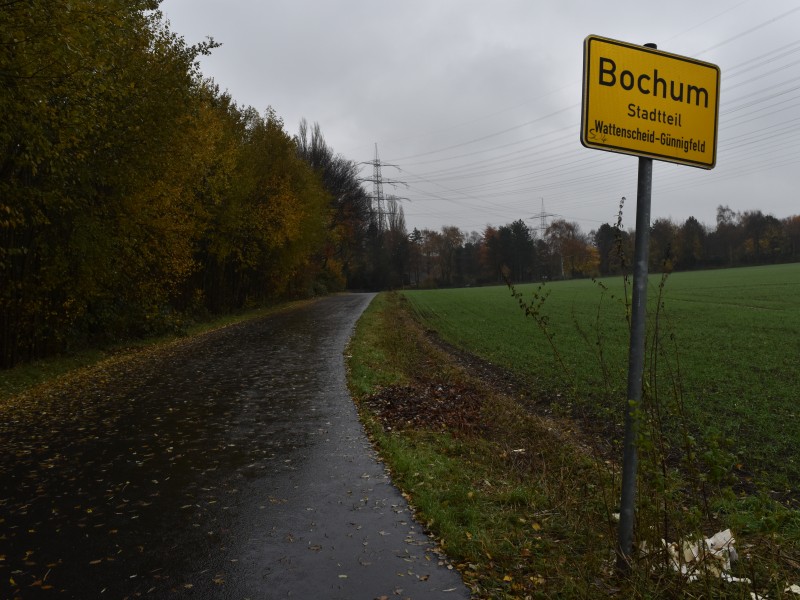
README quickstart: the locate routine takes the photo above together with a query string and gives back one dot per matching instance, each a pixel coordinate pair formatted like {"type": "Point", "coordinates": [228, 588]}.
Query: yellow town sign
{"type": "Point", "coordinates": [641, 101]}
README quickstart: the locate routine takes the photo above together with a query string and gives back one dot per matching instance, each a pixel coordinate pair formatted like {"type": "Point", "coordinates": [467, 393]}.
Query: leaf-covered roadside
{"type": "Point", "coordinates": [514, 503]}
{"type": "Point", "coordinates": [522, 503]}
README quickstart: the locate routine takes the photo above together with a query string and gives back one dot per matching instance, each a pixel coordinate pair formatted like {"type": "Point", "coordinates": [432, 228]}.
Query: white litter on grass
{"type": "Point", "coordinates": [712, 556]}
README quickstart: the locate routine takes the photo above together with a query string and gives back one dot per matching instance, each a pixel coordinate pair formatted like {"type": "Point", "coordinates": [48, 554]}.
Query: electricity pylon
{"type": "Point", "coordinates": [378, 199]}
{"type": "Point", "coordinates": [542, 216]}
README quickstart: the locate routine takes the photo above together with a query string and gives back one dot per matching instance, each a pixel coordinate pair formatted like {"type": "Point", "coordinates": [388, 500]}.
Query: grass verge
{"type": "Point", "coordinates": [522, 503]}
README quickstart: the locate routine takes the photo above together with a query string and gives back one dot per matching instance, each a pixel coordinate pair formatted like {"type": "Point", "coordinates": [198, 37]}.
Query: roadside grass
{"type": "Point", "coordinates": [522, 503]}
{"type": "Point", "coordinates": [26, 376]}
{"type": "Point", "coordinates": [495, 523]}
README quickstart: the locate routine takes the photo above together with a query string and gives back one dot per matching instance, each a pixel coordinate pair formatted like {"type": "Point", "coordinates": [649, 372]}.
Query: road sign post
{"type": "Point", "coordinates": [636, 352]}
{"type": "Point", "coordinates": [654, 105]}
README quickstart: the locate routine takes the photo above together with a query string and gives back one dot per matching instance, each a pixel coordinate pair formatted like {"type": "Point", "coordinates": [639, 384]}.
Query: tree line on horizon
{"type": "Point", "coordinates": [136, 197]}
{"type": "Point", "coordinates": [451, 257]}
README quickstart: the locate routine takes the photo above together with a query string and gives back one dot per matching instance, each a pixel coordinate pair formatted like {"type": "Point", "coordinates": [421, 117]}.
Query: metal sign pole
{"type": "Point", "coordinates": [636, 354]}
{"type": "Point", "coordinates": [630, 458]}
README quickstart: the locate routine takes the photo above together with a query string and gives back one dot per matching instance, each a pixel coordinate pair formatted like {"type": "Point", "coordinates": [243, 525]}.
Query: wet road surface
{"type": "Point", "coordinates": [231, 465]}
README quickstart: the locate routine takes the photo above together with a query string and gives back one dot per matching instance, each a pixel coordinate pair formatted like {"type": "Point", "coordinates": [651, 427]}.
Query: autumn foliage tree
{"type": "Point", "coordinates": [350, 208]}
{"type": "Point", "coordinates": [132, 192]}
{"type": "Point", "coordinates": [96, 98]}
{"type": "Point", "coordinates": [271, 219]}
{"type": "Point", "coordinates": [576, 255]}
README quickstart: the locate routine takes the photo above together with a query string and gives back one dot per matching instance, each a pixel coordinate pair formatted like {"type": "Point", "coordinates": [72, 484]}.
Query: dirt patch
{"type": "Point", "coordinates": [436, 406]}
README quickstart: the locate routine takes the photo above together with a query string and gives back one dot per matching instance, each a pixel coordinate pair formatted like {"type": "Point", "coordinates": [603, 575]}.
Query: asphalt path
{"type": "Point", "coordinates": [231, 465]}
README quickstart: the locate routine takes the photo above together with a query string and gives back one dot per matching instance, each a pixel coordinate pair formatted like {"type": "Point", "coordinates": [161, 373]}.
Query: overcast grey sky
{"type": "Point", "coordinates": [478, 102]}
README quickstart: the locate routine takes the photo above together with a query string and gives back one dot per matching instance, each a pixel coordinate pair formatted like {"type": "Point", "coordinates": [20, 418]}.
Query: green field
{"type": "Point", "coordinates": [729, 349]}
